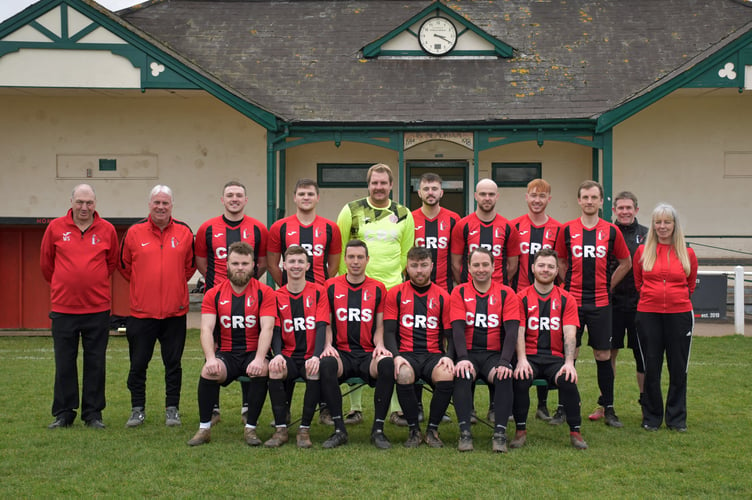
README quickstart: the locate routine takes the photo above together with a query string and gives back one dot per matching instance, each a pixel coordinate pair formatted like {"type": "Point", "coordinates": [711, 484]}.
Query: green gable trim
{"type": "Point", "coordinates": [171, 73]}
{"type": "Point", "coordinates": [501, 49]}
{"type": "Point", "coordinates": [738, 52]}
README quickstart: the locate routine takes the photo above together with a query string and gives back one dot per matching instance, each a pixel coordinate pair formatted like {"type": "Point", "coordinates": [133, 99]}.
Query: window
{"type": "Point", "coordinates": [349, 175]}
{"type": "Point", "coordinates": [515, 174]}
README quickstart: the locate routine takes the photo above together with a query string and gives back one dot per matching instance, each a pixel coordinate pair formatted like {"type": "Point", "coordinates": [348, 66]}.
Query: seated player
{"type": "Point", "coordinates": [299, 338]}
{"type": "Point", "coordinates": [356, 303]}
{"type": "Point", "coordinates": [546, 344]}
{"type": "Point", "coordinates": [243, 310]}
{"type": "Point", "coordinates": [485, 317]}
{"type": "Point", "coordinates": [416, 318]}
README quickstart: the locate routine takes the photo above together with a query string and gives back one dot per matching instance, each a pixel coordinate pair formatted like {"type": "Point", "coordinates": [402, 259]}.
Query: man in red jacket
{"type": "Point", "coordinates": [157, 258]}
{"type": "Point", "coordinates": [78, 256]}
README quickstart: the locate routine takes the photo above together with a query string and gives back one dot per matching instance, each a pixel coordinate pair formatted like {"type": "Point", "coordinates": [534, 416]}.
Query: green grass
{"type": "Point", "coordinates": [711, 460]}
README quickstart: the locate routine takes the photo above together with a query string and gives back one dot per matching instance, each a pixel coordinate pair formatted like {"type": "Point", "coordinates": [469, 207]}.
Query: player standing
{"type": "Point", "coordinates": [585, 246]}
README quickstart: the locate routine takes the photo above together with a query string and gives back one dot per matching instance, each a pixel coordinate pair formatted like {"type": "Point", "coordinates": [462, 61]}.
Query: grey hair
{"type": "Point", "coordinates": [161, 188]}
{"type": "Point", "coordinates": [81, 186]}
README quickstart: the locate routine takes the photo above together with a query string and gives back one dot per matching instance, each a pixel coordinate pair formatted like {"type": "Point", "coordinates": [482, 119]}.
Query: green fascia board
{"type": "Point", "coordinates": [373, 49]}
{"type": "Point", "coordinates": [738, 51]}
{"type": "Point", "coordinates": [386, 139]}
{"type": "Point", "coordinates": [140, 52]}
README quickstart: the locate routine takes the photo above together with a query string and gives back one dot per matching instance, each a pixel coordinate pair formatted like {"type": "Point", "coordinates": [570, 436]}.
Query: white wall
{"type": "Point", "coordinates": [198, 142]}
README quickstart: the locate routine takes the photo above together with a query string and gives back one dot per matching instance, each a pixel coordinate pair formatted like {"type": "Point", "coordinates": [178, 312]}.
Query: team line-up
{"type": "Point", "coordinates": [416, 296]}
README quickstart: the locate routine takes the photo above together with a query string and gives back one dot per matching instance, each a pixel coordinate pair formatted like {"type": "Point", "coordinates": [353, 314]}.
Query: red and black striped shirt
{"type": "Point", "coordinates": [498, 236]}
{"type": "Point", "coordinates": [298, 315]}
{"type": "Point", "coordinates": [216, 235]}
{"type": "Point", "coordinates": [422, 318]}
{"type": "Point", "coordinates": [532, 239]}
{"type": "Point", "coordinates": [238, 315]}
{"type": "Point", "coordinates": [320, 239]}
{"type": "Point", "coordinates": [545, 318]}
{"type": "Point", "coordinates": [587, 252]}
{"type": "Point", "coordinates": [436, 235]}
{"type": "Point", "coordinates": [353, 310]}
{"type": "Point", "coordinates": [484, 314]}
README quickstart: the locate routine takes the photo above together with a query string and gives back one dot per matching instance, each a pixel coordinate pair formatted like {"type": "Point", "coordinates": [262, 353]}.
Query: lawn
{"type": "Point", "coordinates": [711, 460]}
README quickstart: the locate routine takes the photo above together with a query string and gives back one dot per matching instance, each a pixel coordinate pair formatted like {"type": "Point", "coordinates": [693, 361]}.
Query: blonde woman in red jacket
{"type": "Point", "coordinates": [665, 271]}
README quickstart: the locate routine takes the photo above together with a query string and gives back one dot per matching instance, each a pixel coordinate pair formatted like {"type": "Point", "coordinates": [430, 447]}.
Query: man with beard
{"type": "Point", "coordinates": [585, 247]}
{"type": "Point", "coordinates": [243, 310]}
{"type": "Point", "coordinates": [214, 238]}
{"type": "Point", "coordinates": [546, 343]}
{"type": "Point", "coordinates": [485, 318]}
{"type": "Point", "coordinates": [537, 231]}
{"type": "Point", "coordinates": [416, 323]}
{"type": "Point", "coordinates": [433, 230]}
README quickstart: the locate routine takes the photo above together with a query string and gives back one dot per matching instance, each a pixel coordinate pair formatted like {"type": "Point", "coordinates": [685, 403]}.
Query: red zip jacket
{"type": "Point", "coordinates": [78, 265]}
{"type": "Point", "coordinates": [665, 289]}
{"type": "Point", "coordinates": [158, 265]}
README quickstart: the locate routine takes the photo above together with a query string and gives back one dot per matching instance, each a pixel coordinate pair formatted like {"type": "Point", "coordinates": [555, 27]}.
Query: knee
{"type": "Point", "coordinates": [405, 375]}
{"type": "Point", "coordinates": [602, 355]}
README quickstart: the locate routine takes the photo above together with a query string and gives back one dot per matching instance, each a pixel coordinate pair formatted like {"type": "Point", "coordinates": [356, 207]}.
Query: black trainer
{"type": "Point", "coordinates": [380, 441]}
{"type": "Point", "coordinates": [337, 439]}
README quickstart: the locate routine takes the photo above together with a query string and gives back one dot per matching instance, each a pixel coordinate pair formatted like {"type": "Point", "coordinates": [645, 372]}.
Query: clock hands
{"type": "Point", "coordinates": [442, 37]}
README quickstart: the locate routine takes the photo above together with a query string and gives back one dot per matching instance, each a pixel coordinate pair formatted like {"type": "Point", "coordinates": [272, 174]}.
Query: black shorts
{"type": "Point", "coordinates": [236, 364]}
{"type": "Point", "coordinates": [423, 364]}
{"type": "Point", "coordinates": [545, 367]}
{"type": "Point", "coordinates": [484, 362]}
{"type": "Point", "coordinates": [356, 365]}
{"type": "Point", "coordinates": [624, 321]}
{"type": "Point", "coordinates": [598, 322]}
{"type": "Point", "coordinates": [295, 368]}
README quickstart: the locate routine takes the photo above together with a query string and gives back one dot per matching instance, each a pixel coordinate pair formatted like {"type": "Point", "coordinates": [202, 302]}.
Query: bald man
{"type": "Point", "coordinates": [78, 255]}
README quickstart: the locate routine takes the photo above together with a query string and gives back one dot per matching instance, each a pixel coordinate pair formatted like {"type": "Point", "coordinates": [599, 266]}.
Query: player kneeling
{"type": "Point", "coordinates": [546, 345]}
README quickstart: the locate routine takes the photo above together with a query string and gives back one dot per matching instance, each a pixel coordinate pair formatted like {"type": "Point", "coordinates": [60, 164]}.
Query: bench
{"type": "Point", "coordinates": [356, 383]}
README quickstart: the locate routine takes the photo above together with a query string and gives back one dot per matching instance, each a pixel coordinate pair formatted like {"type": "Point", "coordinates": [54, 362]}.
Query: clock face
{"type": "Point", "coordinates": [437, 36]}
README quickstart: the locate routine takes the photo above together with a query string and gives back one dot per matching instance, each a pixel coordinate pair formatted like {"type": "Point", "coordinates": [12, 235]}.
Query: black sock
{"type": "Point", "coordinates": [542, 396]}
{"type": "Point", "coordinates": [256, 397]}
{"type": "Point", "coordinates": [570, 397]}
{"type": "Point", "coordinates": [331, 392]}
{"type": "Point", "coordinates": [442, 394]}
{"type": "Point", "coordinates": [311, 398]}
{"type": "Point", "coordinates": [279, 401]}
{"type": "Point", "coordinates": [503, 396]}
{"type": "Point", "coordinates": [208, 394]}
{"type": "Point", "coordinates": [244, 388]}
{"type": "Point", "coordinates": [382, 393]}
{"type": "Point", "coordinates": [606, 381]}
{"type": "Point", "coordinates": [409, 404]}
{"type": "Point", "coordinates": [463, 402]}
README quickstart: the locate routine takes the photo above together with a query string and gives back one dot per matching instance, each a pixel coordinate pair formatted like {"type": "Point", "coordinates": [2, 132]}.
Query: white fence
{"type": "Point", "coordinates": [737, 275]}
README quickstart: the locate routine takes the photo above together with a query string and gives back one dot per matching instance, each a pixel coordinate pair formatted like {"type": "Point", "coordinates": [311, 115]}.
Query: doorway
{"type": "Point", "coordinates": [454, 179]}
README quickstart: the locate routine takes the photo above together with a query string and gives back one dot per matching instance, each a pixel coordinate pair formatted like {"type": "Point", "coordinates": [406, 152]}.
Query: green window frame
{"type": "Point", "coordinates": [515, 174]}
{"type": "Point", "coordinates": [342, 175]}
